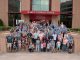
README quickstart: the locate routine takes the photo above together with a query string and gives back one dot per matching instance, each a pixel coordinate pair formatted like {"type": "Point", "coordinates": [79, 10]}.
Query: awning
{"type": "Point", "coordinates": [41, 12]}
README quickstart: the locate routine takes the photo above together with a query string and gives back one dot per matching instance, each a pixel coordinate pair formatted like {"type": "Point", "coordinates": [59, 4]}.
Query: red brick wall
{"type": "Point", "coordinates": [4, 11]}
{"type": "Point", "coordinates": [55, 6]}
{"type": "Point", "coordinates": [76, 14]}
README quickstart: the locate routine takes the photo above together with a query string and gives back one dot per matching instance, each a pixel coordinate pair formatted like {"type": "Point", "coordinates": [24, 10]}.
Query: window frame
{"type": "Point", "coordinates": [50, 5]}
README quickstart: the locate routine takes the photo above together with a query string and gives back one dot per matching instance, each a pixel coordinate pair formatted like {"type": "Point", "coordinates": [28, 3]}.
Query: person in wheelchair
{"type": "Point", "coordinates": [31, 47]}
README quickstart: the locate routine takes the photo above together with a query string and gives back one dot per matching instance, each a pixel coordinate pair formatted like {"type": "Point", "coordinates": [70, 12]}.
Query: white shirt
{"type": "Point", "coordinates": [54, 36]}
{"type": "Point", "coordinates": [62, 26]}
{"type": "Point", "coordinates": [58, 43]}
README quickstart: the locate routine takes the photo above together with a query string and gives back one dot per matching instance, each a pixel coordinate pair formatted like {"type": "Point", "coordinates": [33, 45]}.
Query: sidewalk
{"type": "Point", "coordinates": [39, 56]}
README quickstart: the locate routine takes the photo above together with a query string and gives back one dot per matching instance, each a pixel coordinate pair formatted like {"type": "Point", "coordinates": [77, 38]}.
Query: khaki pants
{"type": "Point", "coordinates": [9, 45]}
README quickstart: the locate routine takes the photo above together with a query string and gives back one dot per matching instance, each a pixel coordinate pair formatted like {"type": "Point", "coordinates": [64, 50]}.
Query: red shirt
{"type": "Point", "coordinates": [44, 44]}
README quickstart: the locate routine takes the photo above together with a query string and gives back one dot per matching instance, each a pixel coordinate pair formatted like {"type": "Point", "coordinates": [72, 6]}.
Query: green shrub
{"type": "Point", "coordinates": [1, 27]}
{"type": "Point", "coordinates": [1, 23]}
{"type": "Point", "coordinates": [74, 30]}
{"type": "Point", "coordinates": [5, 28]}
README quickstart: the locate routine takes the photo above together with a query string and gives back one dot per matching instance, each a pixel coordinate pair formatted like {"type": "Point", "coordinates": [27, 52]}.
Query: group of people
{"type": "Point", "coordinates": [40, 37]}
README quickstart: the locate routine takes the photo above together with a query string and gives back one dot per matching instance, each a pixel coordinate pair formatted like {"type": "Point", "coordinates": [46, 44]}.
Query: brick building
{"type": "Point", "coordinates": [9, 9]}
{"type": "Point", "coordinates": [70, 13]}
{"type": "Point", "coordinates": [30, 10]}
{"type": "Point", "coordinates": [48, 10]}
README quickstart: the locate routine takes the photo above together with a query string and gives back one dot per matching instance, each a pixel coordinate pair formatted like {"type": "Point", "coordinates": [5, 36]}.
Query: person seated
{"type": "Point", "coordinates": [70, 48]}
{"type": "Point", "coordinates": [31, 47]}
{"type": "Point", "coordinates": [15, 45]}
{"type": "Point", "coordinates": [48, 46]}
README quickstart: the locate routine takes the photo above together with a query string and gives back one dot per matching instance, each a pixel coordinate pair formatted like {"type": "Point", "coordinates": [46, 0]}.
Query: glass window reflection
{"type": "Point", "coordinates": [40, 5]}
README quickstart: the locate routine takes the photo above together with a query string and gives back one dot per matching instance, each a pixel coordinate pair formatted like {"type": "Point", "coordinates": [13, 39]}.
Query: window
{"type": "Point", "coordinates": [40, 5]}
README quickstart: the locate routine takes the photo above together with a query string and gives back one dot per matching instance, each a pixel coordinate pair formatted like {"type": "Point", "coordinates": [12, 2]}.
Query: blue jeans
{"type": "Point", "coordinates": [37, 47]}
{"type": "Point", "coordinates": [64, 47]}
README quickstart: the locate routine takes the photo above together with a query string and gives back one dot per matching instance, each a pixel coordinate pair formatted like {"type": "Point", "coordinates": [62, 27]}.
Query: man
{"type": "Point", "coordinates": [63, 29]}
{"type": "Point", "coordinates": [10, 39]}
{"type": "Point", "coordinates": [35, 36]}
{"type": "Point", "coordinates": [52, 46]}
{"type": "Point", "coordinates": [55, 38]}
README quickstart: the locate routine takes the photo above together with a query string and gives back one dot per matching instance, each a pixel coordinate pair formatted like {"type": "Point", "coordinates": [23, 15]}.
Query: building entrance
{"type": "Point", "coordinates": [41, 18]}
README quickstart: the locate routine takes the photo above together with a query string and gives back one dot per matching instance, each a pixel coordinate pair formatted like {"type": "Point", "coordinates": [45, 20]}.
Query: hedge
{"type": "Point", "coordinates": [74, 30]}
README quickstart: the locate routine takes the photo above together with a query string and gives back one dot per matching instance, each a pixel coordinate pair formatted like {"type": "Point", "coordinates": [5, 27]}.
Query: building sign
{"type": "Point", "coordinates": [41, 12]}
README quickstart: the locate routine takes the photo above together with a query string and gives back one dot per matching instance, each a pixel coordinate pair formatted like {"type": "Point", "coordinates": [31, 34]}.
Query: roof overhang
{"type": "Point", "coordinates": [40, 12]}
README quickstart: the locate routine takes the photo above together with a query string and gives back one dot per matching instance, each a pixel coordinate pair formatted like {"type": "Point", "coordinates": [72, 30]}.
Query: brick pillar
{"type": "Point", "coordinates": [55, 19]}
{"type": "Point", "coordinates": [77, 44]}
{"type": "Point", "coordinates": [25, 18]}
{"type": "Point", "coordinates": [2, 44]}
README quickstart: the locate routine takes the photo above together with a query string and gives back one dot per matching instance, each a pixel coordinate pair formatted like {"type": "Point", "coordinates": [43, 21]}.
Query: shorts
{"type": "Point", "coordinates": [58, 47]}
{"type": "Point", "coordinates": [48, 47]}
{"type": "Point", "coordinates": [9, 45]}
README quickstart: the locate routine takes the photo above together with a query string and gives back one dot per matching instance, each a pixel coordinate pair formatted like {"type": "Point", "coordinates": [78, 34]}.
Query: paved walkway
{"type": "Point", "coordinates": [39, 56]}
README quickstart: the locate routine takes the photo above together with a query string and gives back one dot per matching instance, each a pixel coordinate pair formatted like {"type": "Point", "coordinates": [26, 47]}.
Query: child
{"type": "Point", "coordinates": [58, 45]}
{"type": "Point", "coordinates": [31, 47]}
{"type": "Point", "coordinates": [48, 46]}
{"type": "Point", "coordinates": [14, 46]}
{"type": "Point", "coordinates": [64, 46]}
{"type": "Point", "coordinates": [52, 46]}
{"type": "Point", "coordinates": [19, 44]}
{"type": "Point", "coordinates": [23, 44]}
{"type": "Point", "coordinates": [41, 46]}
{"type": "Point", "coordinates": [70, 48]}
{"type": "Point", "coordinates": [44, 46]}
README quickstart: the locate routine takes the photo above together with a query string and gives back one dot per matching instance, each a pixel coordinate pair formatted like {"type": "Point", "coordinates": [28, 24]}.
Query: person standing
{"type": "Point", "coordinates": [55, 38]}
{"type": "Point", "coordinates": [52, 46]}
{"type": "Point", "coordinates": [38, 45]}
{"type": "Point", "coordinates": [65, 41]}
{"type": "Point", "coordinates": [10, 39]}
{"type": "Point", "coordinates": [48, 46]}
{"type": "Point", "coordinates": [41, 46]}
{"type": "Point", "coordinates": [58, 45]}
{"type": "Point", "coordinates": [35, 36]}
{"type": "Point", "coordinates": [44, 46]}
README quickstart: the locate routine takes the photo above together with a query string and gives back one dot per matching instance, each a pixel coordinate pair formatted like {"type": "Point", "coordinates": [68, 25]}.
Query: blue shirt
{"type": "Point", "coordinates": [10, 39]}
